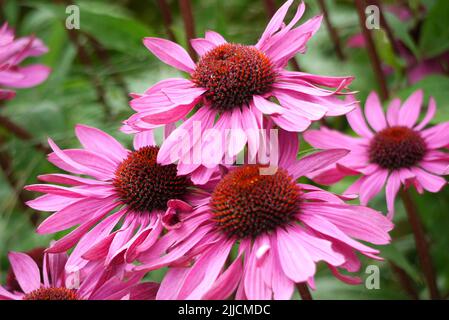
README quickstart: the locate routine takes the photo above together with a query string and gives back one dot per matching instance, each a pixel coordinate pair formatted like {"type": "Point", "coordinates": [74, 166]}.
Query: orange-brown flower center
{"type": "Point", "coordinates": [52, 294]}
{"type": "Point", "coordinates": [233, 74]}
{"type": "Point", "coordinates": [144, 185]}
{"type": "Point", "coordinates": [247, 204]}
{"type": "Point", "coordinates": [397, 147]}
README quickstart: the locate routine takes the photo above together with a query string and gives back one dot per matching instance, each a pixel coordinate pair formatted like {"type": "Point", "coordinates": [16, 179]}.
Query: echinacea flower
{"type": "Point", "coordinates": [281, 228]}
{"type": "Point", "coordinates": [118, 210]}
{"type": "Point", "coordinates": [55, 283]}
{"type": "Point", "coordinates": [12, 53]}
{"type": "Point", "coordinates": [395, 151]}
{"type": "Point", "coordinates": [235, 86]}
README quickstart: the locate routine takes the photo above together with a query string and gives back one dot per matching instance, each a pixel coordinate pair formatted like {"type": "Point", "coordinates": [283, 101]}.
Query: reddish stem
{"type": "Point", "coordinates": [374, 57]}
{"type": "Point", "coordinates": [189, 24]}
{"type": "Point", "coordinates": [103, 55]}
{"type": "Point", "coordinates": [167, 18]}
{"type": "Point", "coordinates": [332, 31]}
{"type": "Point", "coordinates": [21, 133]}
{"type": "Point", "coordinates": [405, 281]}
{"type": "Point", "coordinates": [422, 246]}
{"type": "Point", "coordinates": [7, 168]}
{"type": "Point", "coordinates": [304, 291]}
{"type": "Point", "coordinates": [86, 61]}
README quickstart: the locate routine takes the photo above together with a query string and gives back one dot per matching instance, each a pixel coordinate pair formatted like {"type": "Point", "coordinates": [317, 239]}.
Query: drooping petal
{"type": "Point", "coordinates": [372, 185]}
{"type": "Point", "coordinates": [428, 181]}
{"type": "Point", "coordinates": [391, 190]}
{"type": "Point", "coordinates": [294, 259]}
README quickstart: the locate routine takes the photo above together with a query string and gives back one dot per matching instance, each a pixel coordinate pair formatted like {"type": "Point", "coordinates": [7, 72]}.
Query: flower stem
{"type": "Point", "coordinates": [422, 246]}
{"type": "Point", "coordinates": [332, 31]}
{"type": "Point", "coordinates": [304, 291]}
{"type": "Point", "coordinates": [189, 24]}
{"type": "Point", "coordinates": [21, 133]}
{"type": "Point", "coordinates": [167, 18]}
{"type": "Point", "coordinates": [405, 281]}
{"type": "Point", "coordinates": [374, 57]}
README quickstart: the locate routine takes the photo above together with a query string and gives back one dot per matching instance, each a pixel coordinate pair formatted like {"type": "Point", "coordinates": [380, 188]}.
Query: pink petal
{"type": "Point", "coordinates": [428, 181]}
{"type": "Point", "coordinates": [97, 141]}
{"type": "Point", "coordinates": [6, 295]}
{"type": "Point", "coordinates": [205, 271]}
{"type": "Point", "coordinates": [274, 24]}
{"type": "Point", "coordinates": [282, 286]}
{"type": "Point", "coordinates": [291, 121]}
{"type": "Point", "coordinates": [358, 123]}
{"type": "Point", "coordinates": [318, 249]}
{"type": "Point", "coordinates": [294, 259]}
{"type": "Point", "coordinates": [393, 112]}
{"type": "Point", "coordinates": [255, 286]}
{"type": "Point", "coordinates": [355, 221]}
{"type": "Point", "coordinates": [374, 112]}
{"type": "Point", "coordinates": [431, 109]}
{"type": "Point", "coordinates": [226, 283]}
{"type": "Point", "coordinates": [215, 37]}
{"type": "Point", "coordinates": [372, 185]}
{"type": "Point", "coordinates": [409, 113]}
{"type": "Point", "coordinates": [63, 160]}
{"type": "Point", "coordinates": [143, 139]}
{"type": "Point", "coordinates": [26, 271]}
{"type": "Point", "coordinates": [32, 75]}
{"type": "Point", "coordinates": [170, 53]}
{"type": "Point", "coordinates": [392, 188]}
{"type": "Point", "coordinates": [202, 46]}
{"type": "Point", "coordinates": [316, 161]}
{"type": "Point", "coordinates": [437, 136]}
{"type": "Point", "coordinates": [289, 147]}
{"type": "Point", "coordinates": [73, 214]}
{"type": "Point", "coordinates": [50, 202]}
{"type": "Point", "coordinates": [324, 226]}
{"type": "Point", "coordinates": [266, 106]}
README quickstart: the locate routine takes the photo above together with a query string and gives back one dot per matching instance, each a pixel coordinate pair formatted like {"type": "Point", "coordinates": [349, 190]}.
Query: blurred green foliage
{"type": "Point", "coordinates": [70, 96]}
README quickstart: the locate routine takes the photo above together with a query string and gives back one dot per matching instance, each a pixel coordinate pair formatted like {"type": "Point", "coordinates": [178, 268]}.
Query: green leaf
{"type": "Point", "coordinates": [385, 50]}
{"type": "Point", "coordinates": [393, 254]}
{"type": "Point", "coordinates": [401, 31]}
{"type": "Point", "coordinates": [435, 31]}
{"type": "Point", "coordinates": [114, 31]}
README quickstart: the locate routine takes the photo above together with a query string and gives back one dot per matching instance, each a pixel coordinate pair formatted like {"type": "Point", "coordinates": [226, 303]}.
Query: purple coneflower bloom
{"type": "Point", "coordinates": [395, 151]}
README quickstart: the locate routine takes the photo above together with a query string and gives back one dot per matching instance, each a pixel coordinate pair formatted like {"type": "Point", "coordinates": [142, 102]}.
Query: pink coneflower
{"type": "Point", "coordinates": [90, 283]}
{"type": "Point", "coordinates": [12, 53]}
{"type": "Point", "coordinates": [281, 228]}
{"type": "Point", "coordinates": [395, 151]}
{"type": "Point", "coordinates": [142, 191]}
{"type": "Point", "coordinates": [235, 86]}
